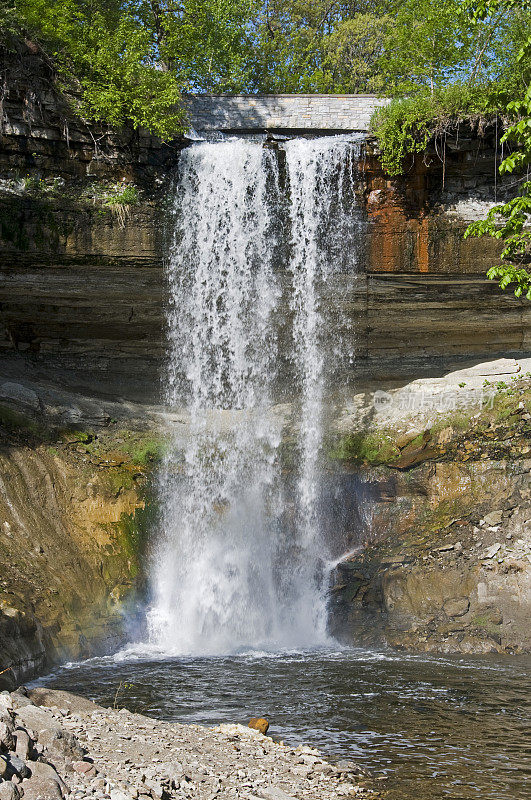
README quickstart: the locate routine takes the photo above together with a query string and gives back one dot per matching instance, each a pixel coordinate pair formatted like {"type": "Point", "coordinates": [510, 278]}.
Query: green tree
{"type": "Point", "coordinates": [107, 62]}
{"type": "Point", "coordinates": [353, 51]}
{"type": "Point", "coordinates": [317, 45]}
{"type": "Point", "coordinates": [509, 222]}
{"type": "Point", "coordinates": [128, 61]}
{"type": "Point", "coordinates": [207, 43]}
{"type": "Point", "coordinates": [428, 45]}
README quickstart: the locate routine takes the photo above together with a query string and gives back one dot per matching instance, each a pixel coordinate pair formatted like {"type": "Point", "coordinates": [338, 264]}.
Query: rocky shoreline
{"type": "Point", "coordinates": [54, 744]}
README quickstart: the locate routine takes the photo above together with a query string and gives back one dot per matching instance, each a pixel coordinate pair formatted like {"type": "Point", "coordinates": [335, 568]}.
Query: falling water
{"type": "Point", "coordinates": [240, 560]}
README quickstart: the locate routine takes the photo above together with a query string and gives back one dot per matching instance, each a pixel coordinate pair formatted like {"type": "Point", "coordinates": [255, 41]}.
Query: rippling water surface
{"type": "Point", "coordinates": [438, 727]}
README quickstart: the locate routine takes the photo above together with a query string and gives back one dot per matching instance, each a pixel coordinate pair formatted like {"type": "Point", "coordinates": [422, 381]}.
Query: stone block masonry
{"type": "Point", "coordinates": [282, 112]}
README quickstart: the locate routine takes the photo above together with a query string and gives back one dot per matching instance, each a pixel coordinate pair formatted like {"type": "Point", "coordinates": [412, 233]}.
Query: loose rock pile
{"type": "Point", "coordinates": [54, 744]}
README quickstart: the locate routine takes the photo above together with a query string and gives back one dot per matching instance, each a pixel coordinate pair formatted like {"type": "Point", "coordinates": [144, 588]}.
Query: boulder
{"type": "Point", "coordinates": [23, 743]}
{"type": "Point", "coordinates": [119, 794]}
{"type": "Point", "coordinates": [38, 720]}
{"type": "Point", "coordinates": [274, 793]}
{"type": "Point", "coordinates": [20, 700]}
{"type": "Point", "coordinates": [62, 744]}
{"type": "Point", "coordinates": [259, 724]}
{"type": "Point", "coordinates": [6, 703]}
{"type": "Point", "coordinates": [3, 766]}
{"type": "Point", "coordinates": [9, 791]}
{"type": "Point", "coordinates": [50, 734]}
{"type": "Point", "coordinates": [62, 699]}
{"type": "Point", "coordinates": [41, 789]}
{"type": "Point", "coordinates": [85, 768]}
{"type": "Point", "coordinates": [16, 766]}
{"type": "Point", "coordinates": [7, 740]}
{"type": "Point", "coordinates": [44, 771]}
{"type": "Point", "coordinates": [494, 517]}
{"type": "Point", "coordinates": [456, 606]}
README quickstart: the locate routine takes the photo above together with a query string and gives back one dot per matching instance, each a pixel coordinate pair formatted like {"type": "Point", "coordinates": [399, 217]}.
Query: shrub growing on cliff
{"type": "Point", "coordinates": [510, 221]}
{"type": "Point", "coordinates": [406, 126]}
{"type": "Point", "coordinates": [121, 200]}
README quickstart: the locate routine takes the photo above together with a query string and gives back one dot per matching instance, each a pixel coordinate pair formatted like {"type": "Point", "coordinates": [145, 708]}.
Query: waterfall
{"type": "Point", "coordinates": [240, 558]}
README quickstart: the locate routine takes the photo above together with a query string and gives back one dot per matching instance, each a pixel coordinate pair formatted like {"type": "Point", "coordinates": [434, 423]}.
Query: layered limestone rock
{"type": "Point", "coordinates": [443, 560]}
{"type": "Point", "coordinates": [82, 286]}
{"type": "Point", "coordinates": [74, 513]}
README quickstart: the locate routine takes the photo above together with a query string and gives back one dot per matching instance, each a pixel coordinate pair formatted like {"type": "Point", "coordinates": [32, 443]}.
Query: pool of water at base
{"type": "Point", "coordinates": [437, 727]}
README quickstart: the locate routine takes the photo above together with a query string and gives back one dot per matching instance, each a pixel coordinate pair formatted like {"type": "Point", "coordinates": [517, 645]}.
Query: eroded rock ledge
{"type": "Point", "coordinates": [57, 745]}
{"type": "Point", "coordinates": [445, 565]}
{"type": "Point", "coordinates": [75, 508]}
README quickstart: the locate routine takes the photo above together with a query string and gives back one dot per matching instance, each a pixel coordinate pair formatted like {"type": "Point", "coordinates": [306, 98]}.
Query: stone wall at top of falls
{"type": "Point", "coordinates": [82, 282]}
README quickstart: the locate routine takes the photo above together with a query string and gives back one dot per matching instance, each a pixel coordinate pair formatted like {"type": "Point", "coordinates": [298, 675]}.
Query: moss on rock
{"type": "Point", "coordinates": [372, 448]}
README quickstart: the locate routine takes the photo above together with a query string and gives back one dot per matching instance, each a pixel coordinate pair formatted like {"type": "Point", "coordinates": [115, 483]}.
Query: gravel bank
{"type": "Point", "coordinates": [54, 744]}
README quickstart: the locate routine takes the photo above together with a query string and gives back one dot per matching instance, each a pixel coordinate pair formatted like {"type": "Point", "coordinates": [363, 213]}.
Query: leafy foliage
{"type": "Point", "coordinates": [123, 196]}
{"type": "Point", "coordinates": [510, 222]}
{"type": "Point", "coordinates": [442, 66]}
{"type": "Point", "coordinates": [128, 61]}
{"type": "Point", "coordinates": [406, 126]}
{"type": "Point", "coordinates": [514, 216]}
{"type": "Point", "coordinates": [210, 44]}
{"type": "Point", "coordinates": [429, 44]}
{"type": "Point", "coordinates": [352, 52]}
{"type": "Point", "coordinates": [107, 62]}
{"type": "Point", "coordinates": [320, 46]}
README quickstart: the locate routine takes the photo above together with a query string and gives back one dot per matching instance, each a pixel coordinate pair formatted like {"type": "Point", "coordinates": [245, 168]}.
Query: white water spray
{"type": "Point", "coordinates": [239, 561]}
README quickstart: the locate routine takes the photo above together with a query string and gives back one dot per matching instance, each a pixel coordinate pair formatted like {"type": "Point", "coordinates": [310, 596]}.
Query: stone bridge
{"type": "Point", "coordinates": [282, 113]}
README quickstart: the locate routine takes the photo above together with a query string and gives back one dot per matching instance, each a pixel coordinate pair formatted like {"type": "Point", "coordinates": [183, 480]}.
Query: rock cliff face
{"type": "Point", "coordinates": [82, 308]}
{"type": "Point", "coordinates": [444, 562]}
{"type": "Point", "coordinates": [81, 286]}
{"type": "Point", "coordinates": [74, 509]}
{"type": "Point", "coordinates": [82, 282]}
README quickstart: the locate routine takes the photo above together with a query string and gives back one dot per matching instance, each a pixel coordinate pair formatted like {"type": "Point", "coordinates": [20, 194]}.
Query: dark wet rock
{"type": "Point", "coordinates": [16, 766]}
{"type": "Point", "coordinates": [19, 396]}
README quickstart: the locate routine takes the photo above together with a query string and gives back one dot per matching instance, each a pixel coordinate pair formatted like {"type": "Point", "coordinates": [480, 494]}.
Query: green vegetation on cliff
{"type": "Point", "coordinates": [459, 435]}
{"type": "Point", "coordinates": [510, 221]}
{"type": "Point", "coordinates": [408, 125]}
{"type": "Point", "coordinates": [480, 62]}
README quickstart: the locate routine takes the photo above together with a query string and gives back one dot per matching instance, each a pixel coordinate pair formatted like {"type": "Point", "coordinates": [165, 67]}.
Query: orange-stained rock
{"type": "Point", "coordinates": [259, 724]}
